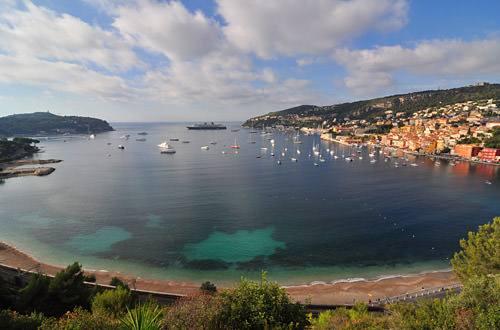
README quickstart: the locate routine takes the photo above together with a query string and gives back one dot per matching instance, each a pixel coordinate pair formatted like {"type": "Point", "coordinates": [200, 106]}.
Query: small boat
{"type": "Point", "coordinates": [252, 142]}
{"type": "Point", "coordinates": [204, 148]}
{"type": "Point", "coordinates": [258, 156]}
{"type": "Point", "coordinates": [452, 164]}
{"type": "Point", "coordinates": [141, 139]}
{"type": "Point", "coordinates": [212, 142]}
{"type": "Point", "coordinates": [223, 152]}
{"type": "Point", "coordinates": [121, 147]}
{"type": "Point", "coordinates": [335, 156]}
{"type": "Point", "coordinates": [185, 141]}
{"type": "Point", "coordinates": [271, 154]}
{"type": "Point", "coordinates": [168, 151]}
{"type": "Point", "coordinates": [322, 160]}
{"type": "Point", "coordinates": [235, 130]}
{"type": "Point", "coordinates": [142, 133]}
{"type": "Point", "coordinates": [92, 136]}
{"type": "Point", "coordinates": [263, 149]}
{"type": "Point", "coordinates": [293, 159]}
{"type": "Point", "coordinates": [235, 146]}
{"type": "Point", "coordinates": [279, 162]}
{"type": "Point", "coordinates": [414, 165]}
{"type": "Point", "coordinates": [373, 161]}
{"type": "Point", "coordinates": [174, 139]}
{"type": "Point", "coordinates": [316, 164]}
{"type": "Point", "coordinates": [164, 145]}
{"type": "Point", "coordinates": [296, 139]}
{"type": "Point", "coordinates": [349, 159]}
{"type": "Point", "coordinates": [125, 137]}
{"type": "Point", "coordinates": [487, 182]}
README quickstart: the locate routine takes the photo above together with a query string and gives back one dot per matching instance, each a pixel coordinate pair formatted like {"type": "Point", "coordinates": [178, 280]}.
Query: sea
{"type": "Point", "coordinates": [222, 214]}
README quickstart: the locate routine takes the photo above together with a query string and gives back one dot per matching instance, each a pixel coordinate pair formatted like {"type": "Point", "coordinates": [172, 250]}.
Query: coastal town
{"type": "Point", "coordinates": [462, 131]}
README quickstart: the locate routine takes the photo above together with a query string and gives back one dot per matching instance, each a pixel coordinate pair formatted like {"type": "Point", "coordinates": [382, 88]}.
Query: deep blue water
{"type": "Point", "coordinates": [204, 215]}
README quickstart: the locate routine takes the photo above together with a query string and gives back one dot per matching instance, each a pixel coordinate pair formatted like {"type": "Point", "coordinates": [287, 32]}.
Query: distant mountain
{"type": "Point", "coordinates": [312, 115]}
{"type": "Point", "coordinates": [46, 123]}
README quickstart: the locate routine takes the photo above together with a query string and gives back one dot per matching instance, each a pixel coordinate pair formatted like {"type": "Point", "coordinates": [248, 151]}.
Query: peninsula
{"type": "Point", "coordinates": [12, 153]}
{"type": "Point", "coordinates": [46, 123]}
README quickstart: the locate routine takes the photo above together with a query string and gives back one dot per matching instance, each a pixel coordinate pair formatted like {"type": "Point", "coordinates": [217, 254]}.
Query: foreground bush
{"type": "Point", "coordinates": [195, 312]}
{"type": "Point", "coordinates": [113, 303]}
{"type": "Point", "coordinates": [143, 317]}
{"type": "Point", "coordinates": [79, 319]}
{"type": "Point", "coordinates": [261, 305]}
{"type": "Point", "coordinates": [14, 321]}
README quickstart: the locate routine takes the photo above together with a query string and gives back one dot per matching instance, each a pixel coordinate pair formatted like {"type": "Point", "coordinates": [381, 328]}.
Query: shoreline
{"type": "Point", "coordinates": [337, 292]}
{"type": "Point", "coordinates": [10, 169]}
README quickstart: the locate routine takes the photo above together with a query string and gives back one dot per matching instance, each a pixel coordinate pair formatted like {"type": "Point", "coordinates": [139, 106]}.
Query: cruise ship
{"type": "Point", "coordinates": [207, 126]}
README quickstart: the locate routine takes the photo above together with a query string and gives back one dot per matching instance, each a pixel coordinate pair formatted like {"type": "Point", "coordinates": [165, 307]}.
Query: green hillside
{"type": "Point", "coordinates": [311, 115]}
{"type": "Point", "coordinates": [46, 123]}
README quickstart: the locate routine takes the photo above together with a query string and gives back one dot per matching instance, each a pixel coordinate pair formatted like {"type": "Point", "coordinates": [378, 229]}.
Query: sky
{"type": "Point", "coordinates": [229, 60]}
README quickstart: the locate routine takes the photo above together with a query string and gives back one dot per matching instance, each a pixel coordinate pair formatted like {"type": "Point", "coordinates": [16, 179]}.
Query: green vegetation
{"type": "Point", "coordinates": [494, 141]}
{"type": "Point", "coordinates": [258, 305]}
{"type": "Point", "coordinates": [370, 109]}
{"type": "Point", "coordinates": [46, 123]}
{"type": "Point", "coordinates": [469, 140]}
{"type": "Point", "coordinates": [208, 287]}
{"type": "Point", "coordinates": [382, 129]}
{"type": "Point", "coordinates": [16, 148]}
{"type": "Point", "coordinates": [480, 254]}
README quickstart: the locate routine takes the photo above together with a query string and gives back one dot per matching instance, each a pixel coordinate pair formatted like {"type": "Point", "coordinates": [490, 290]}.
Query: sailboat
{"type": "Point", "coordinates": [296, 140]}
{"type": "Point", "coordinates": [235, 146]}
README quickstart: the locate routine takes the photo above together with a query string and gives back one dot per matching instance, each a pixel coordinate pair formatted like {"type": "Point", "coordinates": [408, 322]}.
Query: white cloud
{"type": "Point", "coordinates": [371, 70]}
{"type": "Point", "coordinates": [42, 33]}
{"type": "Point", "coordinates": [168, 28]}
{"type": "Point", "coordinates": [294, 27]}
{"type": "Point", "coordinates": [66, 77]}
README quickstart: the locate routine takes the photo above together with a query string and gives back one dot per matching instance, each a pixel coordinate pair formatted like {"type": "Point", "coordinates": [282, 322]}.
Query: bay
{"type": "Point", "coordinates": [223, 213]}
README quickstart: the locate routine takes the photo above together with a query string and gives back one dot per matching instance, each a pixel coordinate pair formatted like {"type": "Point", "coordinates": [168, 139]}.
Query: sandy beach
{"type": "Point", "coordinates": [337, 293]}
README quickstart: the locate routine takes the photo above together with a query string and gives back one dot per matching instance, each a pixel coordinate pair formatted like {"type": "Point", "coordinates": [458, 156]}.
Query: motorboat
{"type": "Point", "coordinates": [165, 145]}
{"type": "Point", "coordinates": [205, 148]}
{"type": "Point", "coordinates": [168, 151]}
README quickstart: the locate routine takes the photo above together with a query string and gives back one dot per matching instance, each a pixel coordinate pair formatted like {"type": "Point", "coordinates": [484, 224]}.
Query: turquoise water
{"type": "Point", "coordinates": [207, 215]}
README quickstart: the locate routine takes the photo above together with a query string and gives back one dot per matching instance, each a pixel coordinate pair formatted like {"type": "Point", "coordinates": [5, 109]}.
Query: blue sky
{"type": "Point", "coordinates": [228, 60]}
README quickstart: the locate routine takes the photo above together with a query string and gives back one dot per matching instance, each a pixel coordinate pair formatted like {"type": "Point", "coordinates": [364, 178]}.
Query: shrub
{"type": "Point", "coordinates": [79, 319]}
{"type": "Point", "coordinates": [208, 287]}
{"type": "Point", "coordinates": [112, 302]}
{"type": "Point", "coordinates": [14, 321]}
{"type": "Point", "coordinates": [261, 305]}
{"type": "Point", "coordinates": [201, 311]}
{"type": "Point", "coordinates": [143, 317]}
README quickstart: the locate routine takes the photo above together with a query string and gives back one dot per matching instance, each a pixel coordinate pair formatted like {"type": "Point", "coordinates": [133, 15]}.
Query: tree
{"type": "Point", "coordinates": [35, 296]}
{"type": "Point", "coordinates": [261, 305]}
{"type": "Point", "coordinates": [68, 290]}
{"type": "Point", "coordinates": [480, 254]}
{"type": "Point", "coordinates": [208, 287]}
{"type": "Point", "coordinates": [115, 281]}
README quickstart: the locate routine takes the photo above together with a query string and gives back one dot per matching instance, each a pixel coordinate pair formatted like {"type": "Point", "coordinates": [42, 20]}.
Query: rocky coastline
{"type": "Point", "coordinates": [12, 169]}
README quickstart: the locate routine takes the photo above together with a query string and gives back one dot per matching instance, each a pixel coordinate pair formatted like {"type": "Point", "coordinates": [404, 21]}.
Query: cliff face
{"type": "Point", "coordinates": [45, 123]}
